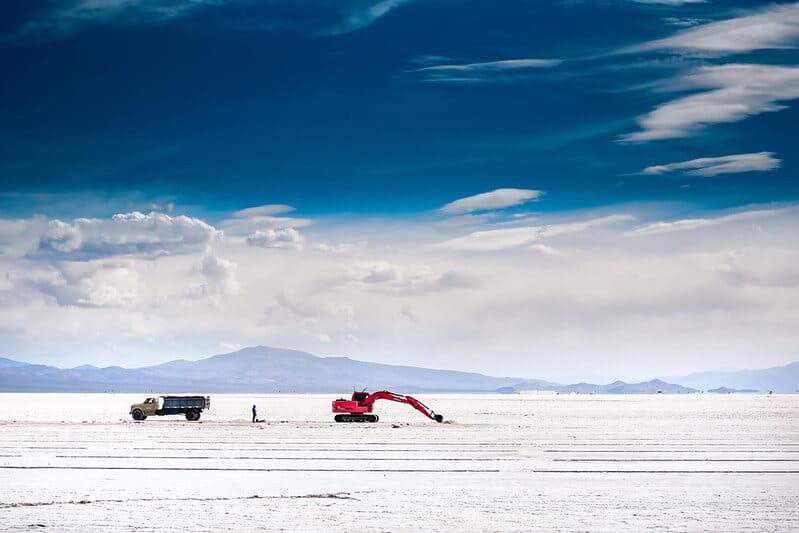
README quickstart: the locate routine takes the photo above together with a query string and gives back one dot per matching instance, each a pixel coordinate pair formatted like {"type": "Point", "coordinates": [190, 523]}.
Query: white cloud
{"type": "Point", "coordinates": [645, 304]}
{"type": "Point", "coordinates": [496, 199]}
{"type": "Point", "coordinates": [19, 237]}
{"type": "Point", "coordinates": [484, 71]}
{"type": "Point", "coordinates": [689, 224]}
{"type": "Point", "coordinates": [110, 287]}
{"type": "Point", "coordinates": [84, 284]}
{"type": "Point", "coordinates": [543, 249]}
{"type": "Point", "coordinates": [737, 91]}
{"type": "Point", "coordinates": [503, 239]}
{"type": "Point", "coordinates": [263, 223]}
{"type": "Point", "coordinates": [127, 233]}
{"type": "Point", "coordinates": [263, 210]}
{"type": "Point", "coordinates": [670, 2]}
{"type": "Point", "coordinates": [713, 166]}
{"type": "Point", "coordinates": [411, 279]}
{"type": "Point", "coordinates": [493, 66]}
{"type": "Point", "coordinates": [219, 278]}
{"type": "Point", "coordinates": [67, 16]}
{"type": "Point", "coordinates": [774, 27]}
{"type": "Point", "coordinates": [339, 248]}
{"type": "Point", "coordinates": [245, 227]}
{"type": "Point", "coordinates": [276, 238]}
{"type": "Point", "coordinates": [360, 17]}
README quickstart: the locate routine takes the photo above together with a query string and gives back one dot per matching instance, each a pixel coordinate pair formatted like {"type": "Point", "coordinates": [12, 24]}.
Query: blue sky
{"type": "Point", "coordinates": [367, 118]}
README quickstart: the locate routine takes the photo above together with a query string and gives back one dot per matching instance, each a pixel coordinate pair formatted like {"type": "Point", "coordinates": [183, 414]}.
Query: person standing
{"type": "Point", "coordinates": [254, 414]}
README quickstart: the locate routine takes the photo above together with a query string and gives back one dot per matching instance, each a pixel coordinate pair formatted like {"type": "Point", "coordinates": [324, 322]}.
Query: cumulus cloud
{"type": "Point", "coordinates": [312, 317]}
{"type": "Point", "coordinates": [736, 92]}
{"type": "Point", "coordinates": [713, 166]}
{"type": "Point", "coordinates": [385, 276]}
{"type": "Point", "coordinates": [543, 249]}
{"type": "Point", "coordinates": [85, 284]}
{"type": "Point", "coordinates": [276, 238]}
{"type": "Point", "coordinates": [728, 288]}
{"type": "Point", "coordinates": [127, 233]}
{"type": "Point", "coordinates": [219, 278]}
{"type": "Point", "coordinates": [503, 239]}
{"type": "Point", "coordinates": [496, 199]}
{"type": "Point", "coordinates": [19, 237]}
{"type": "Point", "coordinates": [689, 224]}
{"type": "Point", "coordinates": [774, 27]}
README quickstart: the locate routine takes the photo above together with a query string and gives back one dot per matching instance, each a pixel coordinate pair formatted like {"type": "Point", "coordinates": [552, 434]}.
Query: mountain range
{"type": "Point", "coordinates": [782, 379]}
{"type": "Point", "coordinates": [263, 369]}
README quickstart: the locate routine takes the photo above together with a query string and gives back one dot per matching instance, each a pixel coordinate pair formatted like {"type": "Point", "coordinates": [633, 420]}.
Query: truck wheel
{"type": "Point", "coordinates": [138, 415]}
{"type": "Point", "coordinates": [192, 415]}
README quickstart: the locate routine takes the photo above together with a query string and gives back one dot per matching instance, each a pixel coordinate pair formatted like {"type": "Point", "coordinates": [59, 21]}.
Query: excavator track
{"type": "Point", "coordinates": [356, 418]}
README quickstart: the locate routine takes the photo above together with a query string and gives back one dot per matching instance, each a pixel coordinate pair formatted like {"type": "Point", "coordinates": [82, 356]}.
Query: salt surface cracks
{"type": "Point", "coordinates": [76, 463]}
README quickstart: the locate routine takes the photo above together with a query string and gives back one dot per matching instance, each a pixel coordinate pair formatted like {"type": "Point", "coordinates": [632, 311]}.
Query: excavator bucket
{"type": "Point", "coordinates": [438, 418]}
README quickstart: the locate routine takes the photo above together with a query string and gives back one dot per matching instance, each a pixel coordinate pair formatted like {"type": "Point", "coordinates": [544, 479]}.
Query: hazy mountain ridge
{"type": "Point", "coordinates": [780, 379]}
{"type": "Point", "coordinates": [256, 369]}
{"type": "Point", "coordinates": [617, 387]}
{"type": "Point", "coordinates": [262, 369]}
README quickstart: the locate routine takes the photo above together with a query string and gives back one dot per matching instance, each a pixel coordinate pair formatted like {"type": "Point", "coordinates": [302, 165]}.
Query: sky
{"type": "Point", "coordinates": [551, 189]}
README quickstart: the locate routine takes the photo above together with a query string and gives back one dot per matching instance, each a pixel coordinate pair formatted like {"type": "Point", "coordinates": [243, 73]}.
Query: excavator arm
{"type": "Point", "coordinates": [402, 398]}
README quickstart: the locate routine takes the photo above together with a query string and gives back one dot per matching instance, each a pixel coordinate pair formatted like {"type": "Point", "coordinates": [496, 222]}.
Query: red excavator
{"type": "Point", "coordinates": [359, 408]}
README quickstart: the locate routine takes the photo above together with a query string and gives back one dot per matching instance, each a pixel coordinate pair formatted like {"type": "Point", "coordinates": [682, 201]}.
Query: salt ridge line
{"type": "Point", "coordinates": [212, 469]}
{"type": "Point", "coordinates": [329, 495]}
{"type": "Point", "coordinates": [283, 458]}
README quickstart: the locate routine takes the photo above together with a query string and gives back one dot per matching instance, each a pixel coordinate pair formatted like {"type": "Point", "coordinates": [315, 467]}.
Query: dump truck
{"type": "Point", "coordinates": [359, 408]}
{"type": "Point", "coordinates": [190, 406]}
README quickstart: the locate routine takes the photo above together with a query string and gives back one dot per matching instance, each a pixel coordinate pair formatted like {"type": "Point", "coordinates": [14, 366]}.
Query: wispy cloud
{"type": "Point", "coordinates": [494, 66]}
{"type": "Point", "coordinates": [670, 2]}
{"type": "Point", "coordinates": [737, 91]}
{"type": "Point", "coordinates": [362, 16]}
{"type": "Point", "coordinates": [503, 239]}
{"type": "Point", "coordinates": [263, 210]}
{"type": "Point", "coordinates": [66, 17]}
{"type": "Point", "coordinates": [688, 224]}
{"type": "Point", "coordinates": [474, 72]}
{"type": "Point", "coordinates": [713, 166]}
{"type": "Point", "coordinates": [265, 226]}
{"type": "Point", "coordinates": [487, 201]}
{"type": "Point", "coordinates": [774, 27]}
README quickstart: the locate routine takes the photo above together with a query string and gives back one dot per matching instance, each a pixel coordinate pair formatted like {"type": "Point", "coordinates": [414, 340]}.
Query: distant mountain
{"type": "Point", "coordinates": [257, 369]}
{"type": "Point", "coordinates": [725, 390]}
{"type": "Point", "coordinates": [10, 363]}
{"type": "Point", "coordinates": [654, 386]}
{"type": "Point", "coordinates": [780, 379]}
{"type": "Point", "coordinates": [262, 369]}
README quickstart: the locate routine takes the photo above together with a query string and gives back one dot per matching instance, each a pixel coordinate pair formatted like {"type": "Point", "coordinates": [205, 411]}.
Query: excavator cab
{"type": "Point", "coordinates": [359, 396]}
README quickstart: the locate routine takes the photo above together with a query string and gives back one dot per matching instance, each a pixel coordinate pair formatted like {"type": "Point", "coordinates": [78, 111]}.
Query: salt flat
{"type": "Point", "coordinates": [76, 462]}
